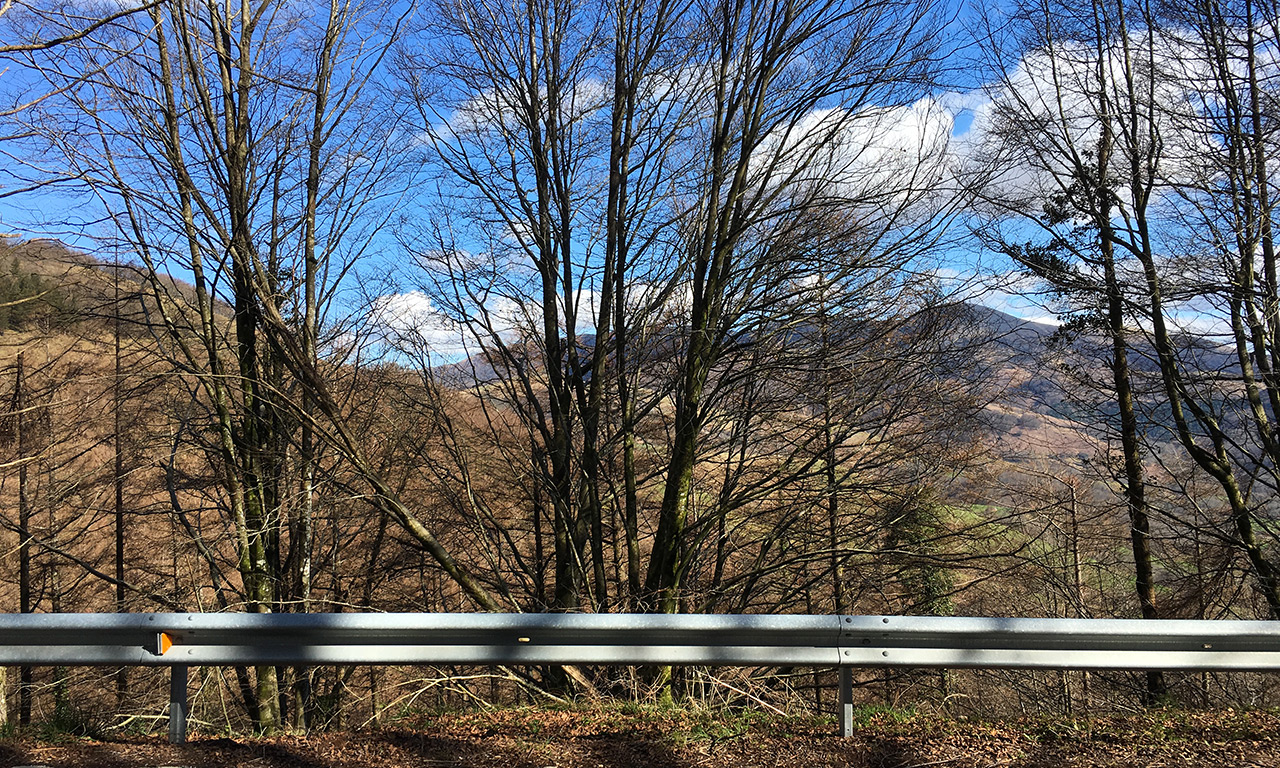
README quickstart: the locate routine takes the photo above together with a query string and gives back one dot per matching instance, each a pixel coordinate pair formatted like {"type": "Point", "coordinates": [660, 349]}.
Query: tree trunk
{"type": "Point", "coordinates": [20, 404]}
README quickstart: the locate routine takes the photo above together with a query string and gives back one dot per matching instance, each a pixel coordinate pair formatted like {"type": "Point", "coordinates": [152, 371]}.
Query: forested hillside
{"type": "Point", "coordinates": [645, 307]}
{"type": "Point", "coordinates": [985, 501]}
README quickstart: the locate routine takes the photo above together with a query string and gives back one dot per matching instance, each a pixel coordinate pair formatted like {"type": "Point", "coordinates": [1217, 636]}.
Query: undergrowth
{"type": "Point", "coordinates": [706, 727]}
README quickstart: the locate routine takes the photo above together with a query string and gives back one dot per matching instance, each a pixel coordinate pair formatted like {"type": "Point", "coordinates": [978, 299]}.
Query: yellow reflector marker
{"type": "Point", "coordinates": [164, 642]}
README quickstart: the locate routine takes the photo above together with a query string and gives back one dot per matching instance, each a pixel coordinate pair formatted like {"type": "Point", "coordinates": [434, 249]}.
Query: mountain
{"type": "Point", "coordinates": [1039, 405]}
{"type": "Point", "coordinates": [1029, 414]}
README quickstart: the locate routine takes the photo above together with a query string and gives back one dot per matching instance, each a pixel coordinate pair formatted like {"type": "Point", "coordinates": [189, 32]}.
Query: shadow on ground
{"type": "Point", "coordinates": [568, 742]}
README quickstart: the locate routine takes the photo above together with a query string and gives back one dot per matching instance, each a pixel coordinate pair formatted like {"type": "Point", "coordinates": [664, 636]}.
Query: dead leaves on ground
{"type": "Point", "coordinates": [618, 737]}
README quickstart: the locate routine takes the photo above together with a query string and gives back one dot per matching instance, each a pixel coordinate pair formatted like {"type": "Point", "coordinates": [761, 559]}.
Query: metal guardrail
{"type": "Point", "coordinates": [180, 640]}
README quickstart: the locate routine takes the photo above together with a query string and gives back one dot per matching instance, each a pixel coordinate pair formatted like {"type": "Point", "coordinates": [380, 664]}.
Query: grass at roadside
{"type": "Point", "coordinates": [683, 726]}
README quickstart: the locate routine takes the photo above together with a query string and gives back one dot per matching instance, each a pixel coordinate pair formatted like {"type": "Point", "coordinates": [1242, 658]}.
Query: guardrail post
{"type": "Point", "coordinates": [846, 702]}
{"type": "Point", "coordinates": [178, 704]}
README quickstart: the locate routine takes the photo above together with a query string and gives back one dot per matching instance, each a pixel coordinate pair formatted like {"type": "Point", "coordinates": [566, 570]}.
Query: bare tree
{"type": "Point", "coordinates": [1078, 112]}
{"type": "Point", "coordinates": [720, 151]}
{"type": "Point", "coordinates": [223, 147]}
{"type": "Point", "coordinates": [1222, 176]}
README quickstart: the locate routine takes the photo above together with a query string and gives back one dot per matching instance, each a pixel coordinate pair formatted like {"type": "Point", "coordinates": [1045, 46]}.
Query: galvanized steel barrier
{"type": "Point", "coordinates": [182, 640]}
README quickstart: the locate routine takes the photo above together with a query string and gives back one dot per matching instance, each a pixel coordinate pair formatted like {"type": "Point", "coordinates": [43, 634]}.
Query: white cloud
{"type": "Point", "coordinates": [1033, 127]}
{"type": "Point", "coordinates": [410, 321]}
{"type": "Point", "coordinates": [880, 158]}
{"type": "Point", "coordinates": [497, 110]}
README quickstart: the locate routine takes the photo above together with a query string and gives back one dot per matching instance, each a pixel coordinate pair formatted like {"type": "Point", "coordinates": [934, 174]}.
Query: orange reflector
{"type": "Point", "coordinates": [164, 642]}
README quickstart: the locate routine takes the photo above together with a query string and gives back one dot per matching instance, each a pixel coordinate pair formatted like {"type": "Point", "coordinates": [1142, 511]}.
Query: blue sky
{"type": "Point", "coordinates": [77, 219]}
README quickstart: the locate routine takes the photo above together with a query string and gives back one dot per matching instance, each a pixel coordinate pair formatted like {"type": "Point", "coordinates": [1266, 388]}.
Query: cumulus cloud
{"type": "Point", "coordinates": [495, 110]}
{"type": "Point", "coordinates": [1034, 127]}
{"type": "Point", "coordinates": [1035, 134]}
{"type": "Point", "coordinates": [412, 320]}
{"type": "Point", "coordinates": [880, 158]}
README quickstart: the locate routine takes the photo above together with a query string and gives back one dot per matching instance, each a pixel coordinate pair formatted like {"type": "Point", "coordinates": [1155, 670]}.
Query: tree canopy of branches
{"type": "Point", "coordinates": [645, 305]}
{"type": "Point", "coordinates": [1139, 130]}
{"type": "Point", "coordinates": [665, 181]}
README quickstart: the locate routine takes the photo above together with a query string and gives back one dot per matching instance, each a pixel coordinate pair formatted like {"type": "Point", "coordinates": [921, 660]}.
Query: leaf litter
{"type": "Point", "coordinates": [696, 738]}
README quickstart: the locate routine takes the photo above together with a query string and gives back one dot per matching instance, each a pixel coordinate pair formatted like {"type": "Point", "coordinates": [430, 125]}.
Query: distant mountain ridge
{"type": "Point", "coordinates": [1032, 413]}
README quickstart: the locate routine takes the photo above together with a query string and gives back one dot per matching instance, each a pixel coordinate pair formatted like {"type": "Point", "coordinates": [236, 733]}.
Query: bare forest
{"type": "Point", "coordinates": [636, 306]}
